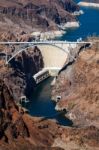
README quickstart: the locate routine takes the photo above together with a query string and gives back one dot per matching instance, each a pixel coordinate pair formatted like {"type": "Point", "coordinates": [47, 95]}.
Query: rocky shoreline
{"type": "Point", "coordinates": [75, 90]}
{"type": "Point", "coordinates": [55, 33]}
{"type": "Point", "coordinates": [77, 84]}
{"type": "Point", "coordinates": [19, 130]}
{"type": "Point", "coordinates": [45, 18]}
{"type": "Point", "coordinates": [89, 4]}
{"type": "Point", "coordinates": [78, 90]}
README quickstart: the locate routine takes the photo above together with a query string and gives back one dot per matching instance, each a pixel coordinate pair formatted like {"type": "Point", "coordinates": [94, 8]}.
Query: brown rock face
{"type": "Point", "coordinates": [80, 139]}
{"type": "Point", "coordinates": [6, 101]}
{"type": "Point", "coordinates": [19, 74]}
{"type": "Point", "coordinates": [28, 15]}
{"type": "Point", "coordinates": [29, 62]}
{"type": "Point", "coordinates": [78, 85]}
{"type": "Point", "coordinates": [20, 131]}
{"type": "Point", "coordinates": [11, 124]}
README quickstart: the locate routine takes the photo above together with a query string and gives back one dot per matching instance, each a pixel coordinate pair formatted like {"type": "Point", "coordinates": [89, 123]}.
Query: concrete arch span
{"type": "Point", "coordinates": [49, 52]}
{"type": "Point", "coordinates": [54, 56]}
{"type": "Point", "coordinates": [16, 53]}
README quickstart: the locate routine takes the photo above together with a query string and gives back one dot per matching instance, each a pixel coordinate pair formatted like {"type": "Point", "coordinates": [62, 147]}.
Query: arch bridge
{"type": "Point", "coordinates": [55, 53]}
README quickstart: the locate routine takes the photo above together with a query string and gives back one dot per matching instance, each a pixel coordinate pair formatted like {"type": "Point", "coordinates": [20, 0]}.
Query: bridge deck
{"type": "Point", "coordinates": [61, 45]}
{"type": "Point", "coordinates": [45, 42]}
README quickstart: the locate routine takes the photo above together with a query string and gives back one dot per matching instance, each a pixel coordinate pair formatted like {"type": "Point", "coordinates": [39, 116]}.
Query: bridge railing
{"type": "Point", "coordinates": [26, 45]}
{"type": "Point", "coordinates": [45, 42]}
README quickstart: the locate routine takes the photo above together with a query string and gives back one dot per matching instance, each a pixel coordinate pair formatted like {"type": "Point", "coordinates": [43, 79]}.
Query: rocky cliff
{"type": "Point", "coordinates": [18, 130]}
{"type": "Point", "coordinates": [34, 14]}
{"type": "Point", "coordinates": [78, 86]}
{"type": "Point", "coordinates": [18, 75]}
{"type": "Point", "coordinates": [10, 121]}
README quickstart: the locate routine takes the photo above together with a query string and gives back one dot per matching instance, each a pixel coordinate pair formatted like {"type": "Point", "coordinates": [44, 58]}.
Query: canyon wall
{"type": "Point", "coordinates": [34, 15]}
{"type": "Point", "coordinates": [77, 84]}
{"type": "Point", "coordinates": [20, 70]}
{"type": "Point", "coordinates": [18, 130]}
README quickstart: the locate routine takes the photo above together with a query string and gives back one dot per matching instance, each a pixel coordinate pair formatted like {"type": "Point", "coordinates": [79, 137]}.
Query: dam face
{"type": "Point", "coordinates": [53, 57]}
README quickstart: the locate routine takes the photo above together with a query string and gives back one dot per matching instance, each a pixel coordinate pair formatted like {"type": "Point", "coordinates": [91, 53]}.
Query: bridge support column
{"type": "Point", "coordinates": [6, 57]}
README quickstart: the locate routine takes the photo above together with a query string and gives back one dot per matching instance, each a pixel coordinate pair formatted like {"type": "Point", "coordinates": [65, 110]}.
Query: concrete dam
{"type": "Point", "coordinates": [53, 57]}
{"type": "Point", "coordinates": [54, 53]}
{"type": "Point", "coordinates": [56, 56]}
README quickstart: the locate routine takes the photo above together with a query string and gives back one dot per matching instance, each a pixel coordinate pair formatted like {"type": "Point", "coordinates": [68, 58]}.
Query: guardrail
{"type": "Point", "coordinates": [45, 42]}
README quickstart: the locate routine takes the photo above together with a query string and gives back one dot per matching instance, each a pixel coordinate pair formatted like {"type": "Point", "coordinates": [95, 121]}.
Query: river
{"type": "Point", "coordinates": [89, 25]}
{"type": "Point", "coordinates": [41, 104]}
